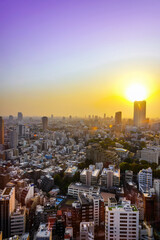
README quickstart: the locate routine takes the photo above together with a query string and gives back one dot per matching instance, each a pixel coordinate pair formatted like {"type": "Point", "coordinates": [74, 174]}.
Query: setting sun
{"type": "Point", "coordinates": [136, 92]}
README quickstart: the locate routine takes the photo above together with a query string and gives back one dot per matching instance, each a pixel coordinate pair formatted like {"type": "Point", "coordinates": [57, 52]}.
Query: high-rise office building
{"type": "Point", "coordinates": [21, 130]}
{"type": "Point", "coordinates": [121, 221]}
{"type": "Point", "coordinates": [13, 138]}
{"type": "Point", "coordinates": [1, 130]}
{"type": "Point", "coordinates": [20, 116]}
{"type": "Point", "coordinates": [45, 123]}
{"type": "Point", "coordinates": [118, 118]}
{"type": "Point", "coordinates": [139, 113]}
{"type": "Point", "coordinates": [7, 207]}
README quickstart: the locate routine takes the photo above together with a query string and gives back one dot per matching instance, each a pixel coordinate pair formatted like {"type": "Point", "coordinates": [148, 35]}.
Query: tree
{"type": "Point", "coordinates": [142, 144]}
{"type": "Point", "coordinates": [135, 168]}
{"type": "Point", "coordinates": [154, 166]}
{"type": "Point", "coordinates": [57, 180]}
{"type": "Point", "coordinates": [143, 162]}
{"type": "Point", "coordinates": [128, 160]}
{"type": "Point", "coordinates": [76, 177]}
{"type": "Point", "coordinates": [124, 166]}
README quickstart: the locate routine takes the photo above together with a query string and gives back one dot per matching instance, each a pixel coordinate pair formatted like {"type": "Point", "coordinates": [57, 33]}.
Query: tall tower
{"type": "Point", "coordinates": [1, 130]}
{"type": "Point", "coordinates": [14, 138]}
{"type": "Point", "coordinates": [139, 113]}
{"type": "Point", "coordinates": [20, 116]}
{"type": "Point", "coordinates": [45, 123]}
{"type": "Point", "coordinates": [118, 118]}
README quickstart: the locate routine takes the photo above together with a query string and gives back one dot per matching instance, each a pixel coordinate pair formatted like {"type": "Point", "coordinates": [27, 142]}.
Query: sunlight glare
{"type": "Point", "coordinates": [136, 92]}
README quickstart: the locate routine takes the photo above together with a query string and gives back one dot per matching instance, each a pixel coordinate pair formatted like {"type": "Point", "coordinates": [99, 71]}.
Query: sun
{"type": "Point", "coordinates": [136, 92]}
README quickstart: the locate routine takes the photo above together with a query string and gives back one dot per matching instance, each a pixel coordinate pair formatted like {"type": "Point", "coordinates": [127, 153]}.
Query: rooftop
{"type": "Point", "coordinates": [43, 231]}
{"type": "Point", "coordinates": [83, 186]}
{"type": "Point", "coordinates": [126, 208]}
{"type": "Point", "coordinates": [7, 191]}
{"type": "Point", "coordinates": [95, 172]}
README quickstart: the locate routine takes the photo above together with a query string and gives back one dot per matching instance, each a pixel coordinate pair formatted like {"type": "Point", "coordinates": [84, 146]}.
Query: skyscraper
{"type": "Point", "coordinates": [14, 138]}
{"type": "Point", "coordinates": [7, 207]}
{"type": "Point", "coordinates": [21, 130]}
{"type": "Point", "coordinates": [20, 116]}
{"type": "Point", "coordinates": [139, 113]}
{"type": "Point", "coordinates": [1, 130]}
{"type": "Point", "coordinates": [118, 118]}
{"type": "Point", "coordinates": [45, 123]}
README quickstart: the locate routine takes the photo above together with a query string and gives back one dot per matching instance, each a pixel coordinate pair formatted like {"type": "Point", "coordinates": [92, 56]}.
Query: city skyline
{"type": "Point", "coordinates": [102, 115]}
{"type": "Point", "coordinates": [78, 58]}
{"type": "Point", "coordinates": [79, 120]}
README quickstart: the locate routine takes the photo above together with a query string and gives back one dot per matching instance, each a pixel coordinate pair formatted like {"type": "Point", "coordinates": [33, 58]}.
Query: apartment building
{"type": "Point", "coordinates": [75, 188]}
{"type": "Point", "coordinates": [121, 221]}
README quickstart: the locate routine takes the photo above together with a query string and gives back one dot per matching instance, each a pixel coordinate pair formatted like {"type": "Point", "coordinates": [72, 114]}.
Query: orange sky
{"type": "Point", "coordinates": [104, 91]}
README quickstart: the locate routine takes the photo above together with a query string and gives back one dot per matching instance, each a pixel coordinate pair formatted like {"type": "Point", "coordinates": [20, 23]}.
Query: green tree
{"type": "Point", "coordinates": [143, 162]}
{"type": "Point", "coordinates": [76, 177]}
{"type": "Point", "coordinates": [57, 180]}
{"type": "Point", "coordinates": [124, 166]}
{"type": "Point", "coordinates": [135, 167]}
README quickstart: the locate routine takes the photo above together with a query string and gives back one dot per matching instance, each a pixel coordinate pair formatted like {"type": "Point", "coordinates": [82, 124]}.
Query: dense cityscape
{"type": "Point", "coordinates": [79, 120]}
{"type": "Point", "coordinates": [80, 178]}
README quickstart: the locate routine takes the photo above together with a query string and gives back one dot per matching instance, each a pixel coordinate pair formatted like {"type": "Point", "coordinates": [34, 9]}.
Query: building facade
{"type": "Point", "coordinates": [139, 113]}
{"type": "Point", "coordinates": [121, 222]}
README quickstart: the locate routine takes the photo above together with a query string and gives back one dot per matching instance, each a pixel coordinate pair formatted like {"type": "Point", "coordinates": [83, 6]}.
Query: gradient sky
{"type": "Point", "coordinates": [78, 56]}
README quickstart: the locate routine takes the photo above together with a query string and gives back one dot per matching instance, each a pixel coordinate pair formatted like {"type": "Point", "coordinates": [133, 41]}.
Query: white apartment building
{"type": "Point", "coordinates": [89, 176]}
{"type": "Point", "coordinates": [122, 222]}
{"type": "Point", "coordinates": [87, 231]}
{"type": "Point", "coordinates": [145, 180]}
{"type": "Point", "coordinates": [110, 177]}
{"type": "Point", "coordinates": [75, 188]}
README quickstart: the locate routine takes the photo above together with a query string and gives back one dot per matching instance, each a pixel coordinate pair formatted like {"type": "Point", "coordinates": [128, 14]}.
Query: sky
{"type": "Point", "coordinates": [78, 57]}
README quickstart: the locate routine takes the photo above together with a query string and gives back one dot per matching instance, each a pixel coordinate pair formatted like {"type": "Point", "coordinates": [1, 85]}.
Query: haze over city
{"type": "Point", "coordinates": [78, 57]}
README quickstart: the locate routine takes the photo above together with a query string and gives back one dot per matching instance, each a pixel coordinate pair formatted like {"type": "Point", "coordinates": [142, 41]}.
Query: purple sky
{"type": "Point", "coordinates": [48, 41]}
